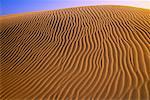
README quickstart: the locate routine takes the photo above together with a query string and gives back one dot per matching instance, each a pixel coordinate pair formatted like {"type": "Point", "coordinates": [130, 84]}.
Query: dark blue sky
{"type": "Point", "coordinates": [21, 6]}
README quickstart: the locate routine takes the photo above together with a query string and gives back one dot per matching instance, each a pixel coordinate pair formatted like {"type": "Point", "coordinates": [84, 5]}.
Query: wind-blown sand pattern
{"type": "Point", "coordinates": [83, 53]}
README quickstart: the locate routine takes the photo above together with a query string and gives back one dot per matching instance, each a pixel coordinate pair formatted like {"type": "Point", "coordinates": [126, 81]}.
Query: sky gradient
{"type": "Point", "coordinates": [21, 6]}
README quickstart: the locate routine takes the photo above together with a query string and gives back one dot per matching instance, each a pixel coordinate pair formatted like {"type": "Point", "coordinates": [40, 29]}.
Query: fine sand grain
{"type": "Point", "coordinates": [82, 53]}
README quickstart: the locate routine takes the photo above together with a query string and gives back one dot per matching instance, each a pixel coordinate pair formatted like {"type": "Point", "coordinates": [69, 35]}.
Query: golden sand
{"type": "Point", "coordinates": [82, 53]}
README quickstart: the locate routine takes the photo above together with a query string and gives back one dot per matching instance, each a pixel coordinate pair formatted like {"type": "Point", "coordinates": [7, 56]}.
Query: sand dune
{"type": "Point", "coordinates": [83, 53]}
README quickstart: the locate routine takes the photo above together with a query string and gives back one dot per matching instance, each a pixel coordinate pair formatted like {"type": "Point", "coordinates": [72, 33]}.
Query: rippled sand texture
{"type": "Point", "coordinates": [96, 52]}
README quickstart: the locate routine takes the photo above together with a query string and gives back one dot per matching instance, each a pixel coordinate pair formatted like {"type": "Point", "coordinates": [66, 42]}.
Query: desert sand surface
{"type": "Point", "coordinates": [81, 53]}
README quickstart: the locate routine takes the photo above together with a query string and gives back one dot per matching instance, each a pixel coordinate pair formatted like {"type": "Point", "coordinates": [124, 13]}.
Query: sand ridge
{"type": "Point", "coordinates": [96, 52]}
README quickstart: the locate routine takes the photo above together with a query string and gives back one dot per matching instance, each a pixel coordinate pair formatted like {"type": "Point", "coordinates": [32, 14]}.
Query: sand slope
{"type": "Point", "coordinates": [96, 52]}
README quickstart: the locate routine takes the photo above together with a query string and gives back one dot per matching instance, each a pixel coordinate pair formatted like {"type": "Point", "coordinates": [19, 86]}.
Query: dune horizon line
{"type": "Point", "coordinates": [36, 11]}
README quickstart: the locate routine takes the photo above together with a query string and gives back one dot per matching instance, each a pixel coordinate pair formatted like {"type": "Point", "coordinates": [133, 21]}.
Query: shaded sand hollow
{"type": "Point", "coordinates": [83, 53]}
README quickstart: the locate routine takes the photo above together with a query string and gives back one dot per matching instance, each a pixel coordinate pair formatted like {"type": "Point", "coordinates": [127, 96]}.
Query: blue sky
{"type": "Point", "coordinates": [21, 6]}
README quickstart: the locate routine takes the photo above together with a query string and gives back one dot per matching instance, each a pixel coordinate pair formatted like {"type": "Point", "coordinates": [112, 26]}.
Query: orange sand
{"type": "Point", "coordinates": [83, 53]}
